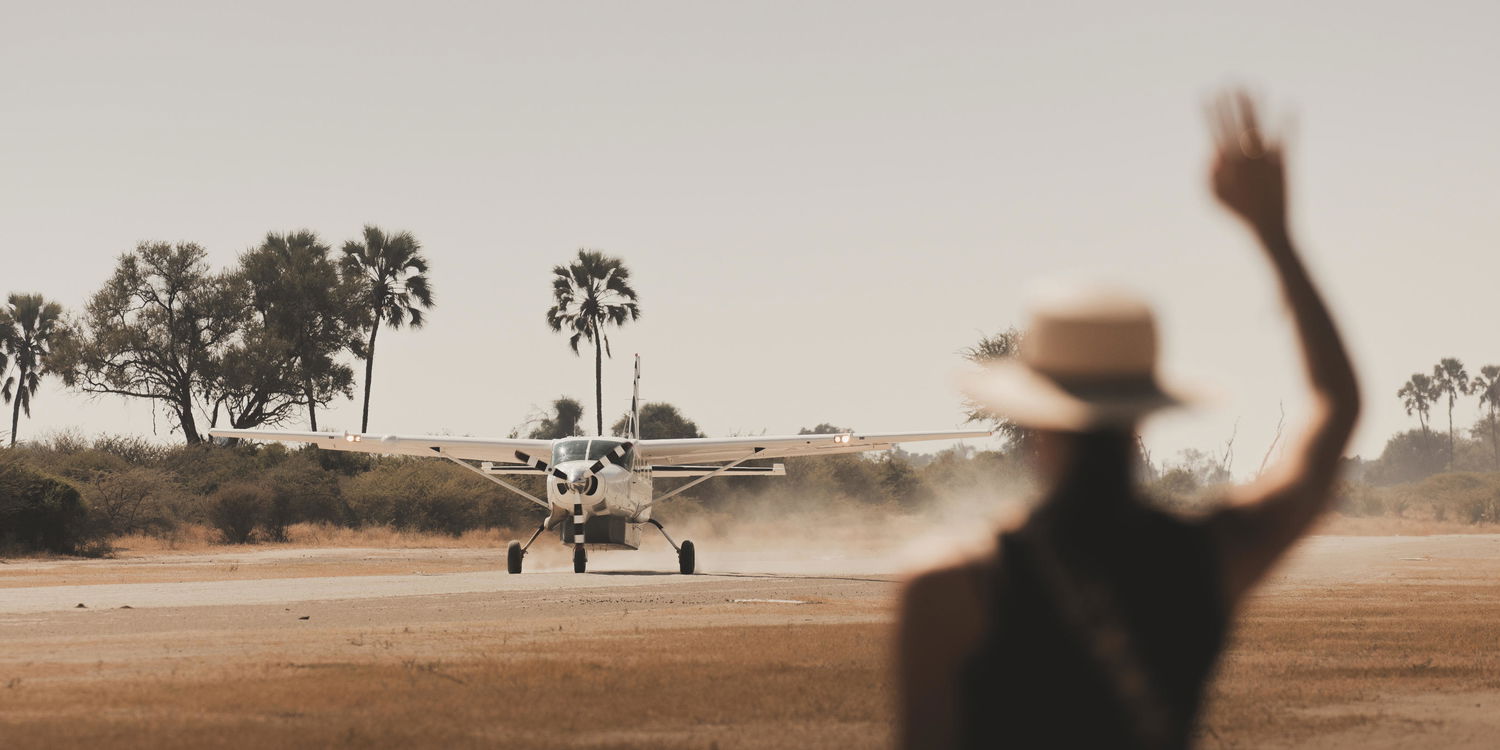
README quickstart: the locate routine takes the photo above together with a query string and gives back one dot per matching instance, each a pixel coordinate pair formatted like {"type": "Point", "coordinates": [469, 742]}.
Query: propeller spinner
{"type": "Point", "coordinates": [586, 483]}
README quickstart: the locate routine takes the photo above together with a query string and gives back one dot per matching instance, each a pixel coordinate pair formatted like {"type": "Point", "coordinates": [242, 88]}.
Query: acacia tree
{"type": "Point", "coordinates": [659, 421]}
{"type": "Point", "coordinates": [1417, 395]}
{"type": "Point", "coordinates": [988, 350]}
{"type": "Point", "coordinates": [305, 310]}
{"type": "Point", "coordinates": [256, 377]}
{"type": "Point", "coordinates": [389, 272]}
{"type": "Point", "coordinates": [590, 294]}
{"type": "Point", "coordinates": [156, 330]}
{"type": "Point", "coordinates": [29, 329]}
{"type": "Point", "coordinates": [1450, 379]}
{"type": "Point", "coordinates": [563, 422]}
{"type": "Point", "coordinates": [1487, 385]}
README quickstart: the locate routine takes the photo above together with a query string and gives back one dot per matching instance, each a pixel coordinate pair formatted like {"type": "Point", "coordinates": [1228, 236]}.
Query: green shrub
{"type": "Point", "coordinates": [1467, 497]}
{"type": "Point", "coordinates": [237, 509]}
{"type": "Point", "coordinates": [346, 463]}
{"type": "Point", "coordinates": [1408, 457]}
{"type": "Point", "coordinates": [40, 512]}
{"type": "Point", "coordinates": [1360, 499]}
{"type": "Point", "coordinates": [137, 500]}
{"type": "Point", "coordinates": [432, 496]}
{"type": "Point", "coordinates": [1177, 487]}
{"type": "Point", "coordinates": [1461, 496]}
{"type": "Point", "coordinates": [203, 468]}
{"type": "Point", "coordinates": [86, 465]}
{"type": "Point", "coordinates": [301, 491]}
{"type": "Point", "coordinates": [850, 476]}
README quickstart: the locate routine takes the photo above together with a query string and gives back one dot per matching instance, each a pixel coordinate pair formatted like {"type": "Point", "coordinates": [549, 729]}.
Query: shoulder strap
{"type": "Point", "coordinates": [1090, 610]}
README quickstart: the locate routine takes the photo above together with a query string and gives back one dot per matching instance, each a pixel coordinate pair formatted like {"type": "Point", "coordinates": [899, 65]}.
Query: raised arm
{"type": "Point", "coordinates": [1266, 517]}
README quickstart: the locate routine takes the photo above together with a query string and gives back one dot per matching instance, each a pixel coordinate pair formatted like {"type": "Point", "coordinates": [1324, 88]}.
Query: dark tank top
{"type": "Point", "coordinates": [1104, 627]}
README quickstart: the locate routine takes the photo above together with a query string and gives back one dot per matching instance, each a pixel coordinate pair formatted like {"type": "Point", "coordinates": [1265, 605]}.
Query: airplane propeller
{"type": "Point", "coordinates": [612, 457]}
{"type": "Point", "coordinates": [587, 480]}
{"type": "Point", "coordinates": [540, 465]}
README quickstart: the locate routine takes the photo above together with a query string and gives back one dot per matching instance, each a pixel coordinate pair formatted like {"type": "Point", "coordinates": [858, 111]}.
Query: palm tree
{"type": "Point", "coordinates": [391, 270]}
{"type": "Point", "coordinates": [5, 352]}
{"type": "Point", "coordinates": [1417, 395]}
{"type": "Point", "coordinates": [32, 326]}
{"type": "Point", "coordinates": [1450, 379]}
{"type": "Point", "coordinates": [1487, 385]}
{"type": "Point", "coordinates": [588, 294]}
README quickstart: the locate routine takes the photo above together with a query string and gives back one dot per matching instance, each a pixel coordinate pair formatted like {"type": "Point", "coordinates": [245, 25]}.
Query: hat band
{"type": "Point", "coordinates": [1101, 389]}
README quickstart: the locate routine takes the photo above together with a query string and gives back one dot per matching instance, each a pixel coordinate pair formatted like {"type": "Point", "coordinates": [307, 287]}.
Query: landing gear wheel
{"type": "Point", "coordinates": [580, 559]}
{"type": "Point", "coordinates": [513, 555]}
{"type": "Point", "coordinates": [686, 560]}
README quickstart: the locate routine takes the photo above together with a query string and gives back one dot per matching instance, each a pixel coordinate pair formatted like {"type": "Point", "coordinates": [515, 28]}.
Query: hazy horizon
{"type": "Point", "coordinates": [821, 204]}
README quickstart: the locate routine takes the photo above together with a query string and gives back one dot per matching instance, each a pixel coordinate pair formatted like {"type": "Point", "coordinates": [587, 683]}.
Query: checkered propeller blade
{"type": "Point", "coordinates": [540, 465]}
{"type": "Point", "coordinates": [612, 457]}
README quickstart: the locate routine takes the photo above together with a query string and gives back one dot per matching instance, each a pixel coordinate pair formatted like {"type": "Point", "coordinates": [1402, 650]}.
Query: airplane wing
{"type": "Point", "coordinates": [697, 450]}
{"type": "Point", "coordinates": [477, 449]}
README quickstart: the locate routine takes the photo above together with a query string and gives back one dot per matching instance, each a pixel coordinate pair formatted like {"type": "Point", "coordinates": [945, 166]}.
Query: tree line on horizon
{"type": "Point", "coordinates": [86, 493]}
{"type": "Point", "coordinates": [244, 346]}
{"type": "Point", "coordinates": [1407, 456]}
{"type": "Point", "coordinates": [1451, 380]}
{"type": "Point", "coordinates": [259, 342]}
{"type": "Point", "coordinates": [277, 334]}
{"type": "Point", "coordinates": [269, 337]}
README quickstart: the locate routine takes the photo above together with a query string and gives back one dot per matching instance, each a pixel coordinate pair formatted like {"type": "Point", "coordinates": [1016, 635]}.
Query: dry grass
{"type": "Point", "coordinates": [1336, 524]}
{"type": "Point", "coordinates": [1305, 670]}
{"type": "Point", "coordinates": [1304, 665]}
{"type": "Point", "coordinates": [814, 686]}
{"type": "Point", "coordinates": [1410, 656]}
{"type": "Point", "coordinates": [201, 538]}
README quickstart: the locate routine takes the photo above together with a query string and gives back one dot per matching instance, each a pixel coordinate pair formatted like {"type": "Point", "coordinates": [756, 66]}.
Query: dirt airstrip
{"type": "Point", "coordinates": [1360, 642]}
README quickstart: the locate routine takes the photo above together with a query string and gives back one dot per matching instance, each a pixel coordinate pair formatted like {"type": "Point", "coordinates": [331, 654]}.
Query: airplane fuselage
{"type": "Point", "coordinates": [609, 504]}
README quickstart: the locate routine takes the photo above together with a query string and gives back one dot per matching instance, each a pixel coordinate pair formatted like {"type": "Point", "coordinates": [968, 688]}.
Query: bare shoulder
{"type": "Point", "coordinates": [951, 579]}
{"type": "Point", "coordinates": [942, 622]}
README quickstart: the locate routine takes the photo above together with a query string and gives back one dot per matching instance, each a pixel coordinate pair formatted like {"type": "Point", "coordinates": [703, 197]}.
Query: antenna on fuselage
{"type": "Point", "coordinates": [635, 403]}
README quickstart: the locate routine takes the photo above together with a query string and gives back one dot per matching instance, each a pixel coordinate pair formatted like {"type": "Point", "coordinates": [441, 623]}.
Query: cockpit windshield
{"type": "Point", "coordinates": [600, 447]}
{"type": "Point", "coordinates": [570, 450]}
{"type": "Point", "coordinates": [579, 449]}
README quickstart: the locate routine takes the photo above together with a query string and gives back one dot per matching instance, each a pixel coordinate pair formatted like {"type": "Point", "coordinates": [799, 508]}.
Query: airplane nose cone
{"type": "Point", "coordinates": [573, 470]}
{"type": "Point", "coordinates": [576, 471]}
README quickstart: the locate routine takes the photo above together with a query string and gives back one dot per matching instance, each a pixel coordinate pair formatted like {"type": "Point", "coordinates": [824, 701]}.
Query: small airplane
{"type": "Point", "coordinates": [602, 494]}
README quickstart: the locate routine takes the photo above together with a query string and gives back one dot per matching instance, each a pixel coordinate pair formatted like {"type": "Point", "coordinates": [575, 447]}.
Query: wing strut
{"type": "Point", "coordinates": [495, 479]}
{"type": "Point", "coordinates": [706, 477]}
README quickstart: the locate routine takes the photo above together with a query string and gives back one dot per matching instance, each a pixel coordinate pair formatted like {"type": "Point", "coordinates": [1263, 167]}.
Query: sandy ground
{"type": "Point", "coordinates": [1360, 642]}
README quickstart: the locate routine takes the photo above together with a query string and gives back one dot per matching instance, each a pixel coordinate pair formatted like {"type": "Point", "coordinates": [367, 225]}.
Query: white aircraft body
{"type": "Point", "coordinates": [600, 494]}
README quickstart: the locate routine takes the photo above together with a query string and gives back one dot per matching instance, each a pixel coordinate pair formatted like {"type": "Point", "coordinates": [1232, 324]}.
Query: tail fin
{"type": "Point", "coordinates": [635, 403]}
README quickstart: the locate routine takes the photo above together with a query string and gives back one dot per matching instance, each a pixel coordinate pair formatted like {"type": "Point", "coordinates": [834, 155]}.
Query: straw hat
{"type": "Point", "coordinates": [1088, 362]}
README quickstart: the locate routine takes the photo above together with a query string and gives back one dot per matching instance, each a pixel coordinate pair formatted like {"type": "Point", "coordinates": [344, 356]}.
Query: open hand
{"type": "Point", "coordinates": [1247, 174]}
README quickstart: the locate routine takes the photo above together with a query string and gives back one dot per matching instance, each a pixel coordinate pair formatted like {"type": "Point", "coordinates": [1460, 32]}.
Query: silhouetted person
{"type": "Point", "coordinates": [1098, 622]}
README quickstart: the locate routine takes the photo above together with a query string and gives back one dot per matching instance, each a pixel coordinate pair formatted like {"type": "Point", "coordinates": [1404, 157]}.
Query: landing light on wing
{"type": "Point", "coordinates": [842, 438]}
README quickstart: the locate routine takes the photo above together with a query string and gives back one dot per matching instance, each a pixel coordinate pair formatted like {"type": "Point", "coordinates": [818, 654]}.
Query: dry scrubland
{"type": "Point", "coordinates": [90, 496]}
{"type": "Point", "coordinates": [1363, 642]}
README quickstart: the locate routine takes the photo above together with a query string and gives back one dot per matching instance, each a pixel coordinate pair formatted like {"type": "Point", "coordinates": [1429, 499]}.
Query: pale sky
{"type": "Point", "coordinates": [822, 203]}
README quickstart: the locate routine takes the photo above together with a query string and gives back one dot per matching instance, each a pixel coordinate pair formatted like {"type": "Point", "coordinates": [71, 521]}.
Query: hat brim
{"type": "Point", "coordinates": [1031, 399]}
